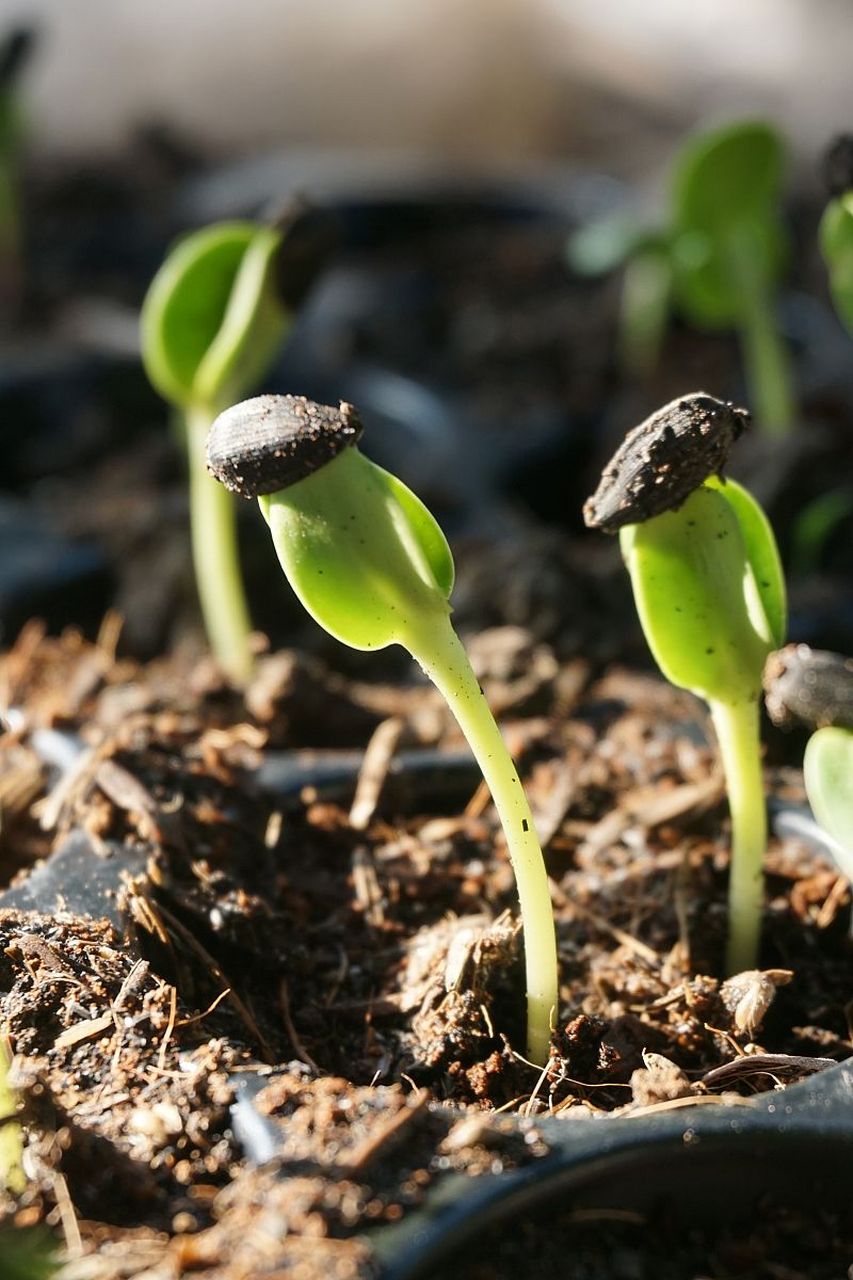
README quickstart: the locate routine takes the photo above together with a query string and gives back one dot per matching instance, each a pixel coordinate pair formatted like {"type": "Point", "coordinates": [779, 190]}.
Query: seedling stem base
{"type": "Point", "coordinates": [442, 656]}
{"type": "Point", "coordinates": [737, 727]}
{"type": "Point", "coordinates": [216, 556]}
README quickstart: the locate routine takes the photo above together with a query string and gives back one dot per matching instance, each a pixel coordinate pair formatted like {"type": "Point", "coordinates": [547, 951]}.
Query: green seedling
{"type": "Point", "coordinates": [15, 51]}
{"type": "Point", "coordinates": [25, 1254]}
{"type": "Point", "coordinates": [813, 687]}
{"type": "Point", "coordinates": [828, 775]}
{"type": "Point", "coordinates": [11, 1146]}
{"type": "Point", "coordinates": [710, 595]}
{"type": "Point", "coordinates": [836, 228]}
{"type": "Point", "coordinates": [729, 250]}
{"type": "Point", "coordinates": [646, 261]}
{"type": "Point", "coordinates": [718, 261]}
{"type": "Point", "coordinates": [28, 1253]}
{"type": "Point", "coordinates": [215, 314]}
{"type": "Point", "coordinates": [211, 322]}
{"type": "Point", "coordinates": [372, 566]}
{"type": "Point", "coordinates": [815, 526]}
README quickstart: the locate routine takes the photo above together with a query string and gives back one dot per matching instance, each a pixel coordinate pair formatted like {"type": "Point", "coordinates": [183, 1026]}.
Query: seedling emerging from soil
{"type": "Point", "coordinates": [836, 227]}
{"type": "Point", "coordinates": [215, 314]}
{"type": "Point", "coordinates": [710, 595]}
{"type": "Point", "coordinates": [718, 261]}
{"type": "Point", "coordinates": [372, 566]}
{"type": "Point", "coordinates": [815, 688]}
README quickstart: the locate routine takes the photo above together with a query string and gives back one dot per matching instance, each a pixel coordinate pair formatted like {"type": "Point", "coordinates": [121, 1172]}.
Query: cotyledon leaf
{"type": "Point", "coordinates": [763, 555]}
{"type": "Point", "coordinates": [687, 570]}
{"type": "Point", "coordinates": [361, 551]}
{"type": "Point", "coordinates": [184, 306]}
{"type": "Point", "coordinates": [828, 774]}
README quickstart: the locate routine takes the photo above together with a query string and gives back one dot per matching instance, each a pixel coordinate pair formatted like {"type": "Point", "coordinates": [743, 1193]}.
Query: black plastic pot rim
{"type": "Point", "coordinates": [671, 1155]}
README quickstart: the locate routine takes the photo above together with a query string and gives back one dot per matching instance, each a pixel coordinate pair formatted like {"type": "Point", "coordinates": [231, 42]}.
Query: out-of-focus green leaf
{"type": "Point", "coordinates": [828, 774]}
{"type": "Point", "coordinates": [836, 243]}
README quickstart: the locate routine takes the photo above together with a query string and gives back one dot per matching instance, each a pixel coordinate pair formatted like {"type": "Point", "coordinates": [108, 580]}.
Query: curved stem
{"type": "Point", "coordinates": [737, 727]}
{"type": "Point", "coordinates": [441, 655]}
{"type": "Point", "coordinates": [216, 556]}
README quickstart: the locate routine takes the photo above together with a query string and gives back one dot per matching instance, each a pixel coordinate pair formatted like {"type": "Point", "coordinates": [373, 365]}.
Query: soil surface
{"type": "Point", "coordinates": [341, 959]}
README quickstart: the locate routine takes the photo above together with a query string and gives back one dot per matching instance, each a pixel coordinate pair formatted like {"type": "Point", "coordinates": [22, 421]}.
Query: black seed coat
{"type": "Point", "coordinates": [661, 462]}
{"type": "Point", "coordinates": [270, 442]}
{"type": "Point", "coordinates": [838, 165]}
{"type": "Point", "coordinates": [809, 686]}
{"type": "Point", "coordinates": [309, 238]}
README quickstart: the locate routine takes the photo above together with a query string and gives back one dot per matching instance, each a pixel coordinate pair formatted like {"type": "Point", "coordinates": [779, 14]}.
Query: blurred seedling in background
{"type": "Point", "coordinates": [710, 595]}
{"type": "Point", "coordinates": [371, 565]}
{"type": "Point", "coordinates": [213, 319]}
{"type": "Point", "coordinates": [11, 1146]}
{"type": "Point", "coordinates": [645, 257]}
{"type": "Point", "coordinates": [836, 227]}
{"type": "Point", "coordinates": [813, 687]}
{"type": "Point", "coordinates": [28, 1253]}
{"type": "Point", "coordinates": [816, 526]}
{"type": "Point", "coordinates": [718, 261]}
{"type": "Point", "coordinates": [15, 51]}
{"type": "Point", "coordinates": [25, 1253]}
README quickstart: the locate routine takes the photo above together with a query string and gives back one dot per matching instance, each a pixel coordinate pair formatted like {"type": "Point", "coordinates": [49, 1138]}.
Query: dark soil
{"type": "Point", "coordinates": [365, 957]}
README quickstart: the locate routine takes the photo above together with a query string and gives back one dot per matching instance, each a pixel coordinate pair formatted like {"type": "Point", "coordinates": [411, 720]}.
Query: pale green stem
{"type": "Point", "coordinates": [216, 556]}
{"type": "Point", "coordinates": [737, 727]}
{"type": "Point", "coordinates": [441, 655]}
{"type": "Point", "coordinates": [765, 357]}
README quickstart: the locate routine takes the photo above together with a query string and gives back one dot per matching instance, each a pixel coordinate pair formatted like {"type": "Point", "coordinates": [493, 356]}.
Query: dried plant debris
{"type": "Point", "coordinates": [811, 687]}
{"type": "Point", "coordinates": [662, 461]}
{"type": "Point", "coordinates": [748, 996]}
{"type": "Point", "coordinates": [265, 938]}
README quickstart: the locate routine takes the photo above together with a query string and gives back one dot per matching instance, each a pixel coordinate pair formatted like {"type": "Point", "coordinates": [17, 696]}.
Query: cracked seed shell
{"type": "Point", "coordinates": [270, 442]}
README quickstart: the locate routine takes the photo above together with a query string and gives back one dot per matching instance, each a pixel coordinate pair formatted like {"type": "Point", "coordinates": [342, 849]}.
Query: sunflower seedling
{"type": "Point", "coordinates": [813, 687]}
{"type": "Point", "coordinates": [15, 51]}
{"type": "Point", "coordinates": [836, 227]}
{"type": "Point", "coordinates": [645, 257]}
{"type": "Point", "coordinates": [718, 261]}
{"type": "Point", "coordinates": [371, 565]}
{"type": "Point", "coordinates": [214, 316]}
{"type": "Point", "coordinates": [710, 595]}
